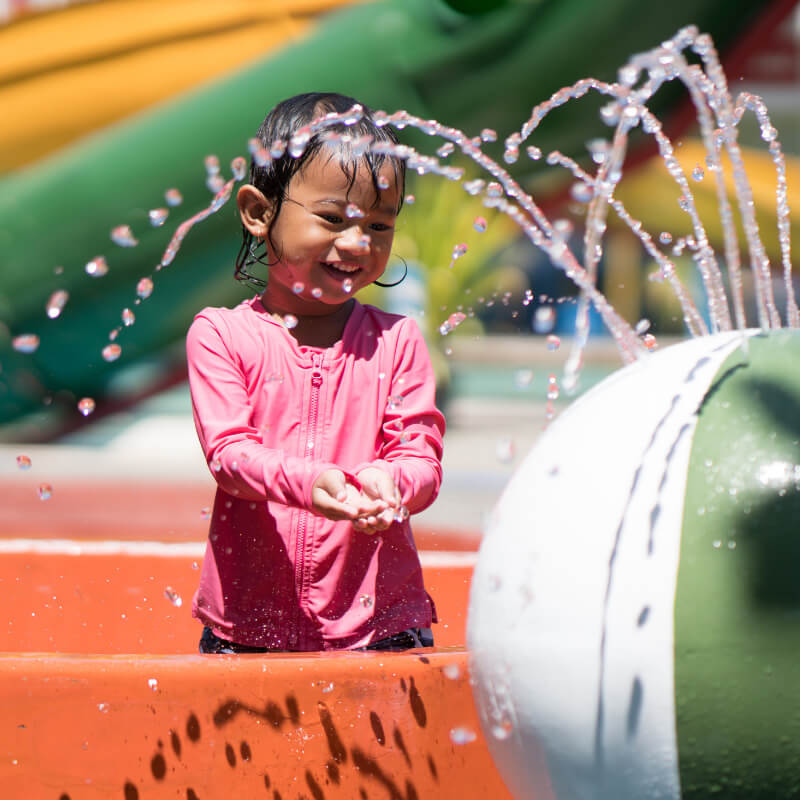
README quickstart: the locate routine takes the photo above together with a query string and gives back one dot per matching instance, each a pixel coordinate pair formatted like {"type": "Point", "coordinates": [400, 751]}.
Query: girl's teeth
{"type": "Point", "coordinates": [342, 267]}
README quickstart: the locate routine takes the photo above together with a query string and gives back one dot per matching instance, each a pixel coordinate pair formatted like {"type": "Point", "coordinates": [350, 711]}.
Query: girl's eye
{"type": "Point", "coordinates": [334, 219]}
{"type": "Point", "coordinates": [381, 227]}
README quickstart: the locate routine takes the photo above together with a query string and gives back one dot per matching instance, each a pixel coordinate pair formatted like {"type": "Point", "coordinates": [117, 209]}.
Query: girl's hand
{"type": "Point", "coordinates": [333, 497]}
{"type": "Point", "coordinates": [378, 485]}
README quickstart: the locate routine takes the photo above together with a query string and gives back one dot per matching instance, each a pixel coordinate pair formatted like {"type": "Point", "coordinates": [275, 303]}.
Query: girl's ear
{"type": "Point", "coordinates": [255, 210]}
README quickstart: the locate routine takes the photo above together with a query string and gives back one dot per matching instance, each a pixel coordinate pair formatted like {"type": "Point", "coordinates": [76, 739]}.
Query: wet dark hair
{"type": "Point", "coordinates": [273, 178]}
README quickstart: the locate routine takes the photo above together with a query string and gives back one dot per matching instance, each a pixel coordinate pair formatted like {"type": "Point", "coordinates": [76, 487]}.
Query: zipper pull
{"type": "Point", "coordinates": [316, 378]}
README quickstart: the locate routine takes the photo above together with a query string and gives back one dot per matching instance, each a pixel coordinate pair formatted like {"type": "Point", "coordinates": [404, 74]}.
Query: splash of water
{"type": "Point", "coordinates": [626, 110]}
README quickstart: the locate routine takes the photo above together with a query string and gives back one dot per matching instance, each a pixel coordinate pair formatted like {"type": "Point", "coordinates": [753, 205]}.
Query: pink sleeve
{"type": "Point", "coordinates": [236, 456]}
{"type": "Point", "coordinates": [412, 425]}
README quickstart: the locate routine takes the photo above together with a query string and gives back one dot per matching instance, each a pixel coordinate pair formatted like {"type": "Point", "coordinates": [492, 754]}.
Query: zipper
{"type": "Point", "coordinates": [302, 524]}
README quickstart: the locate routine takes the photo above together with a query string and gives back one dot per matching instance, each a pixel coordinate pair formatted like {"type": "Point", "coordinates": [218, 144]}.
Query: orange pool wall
{"type": "Point", "coordinates": [104, 696]}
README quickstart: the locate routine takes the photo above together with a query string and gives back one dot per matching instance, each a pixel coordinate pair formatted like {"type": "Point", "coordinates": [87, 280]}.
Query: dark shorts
{"type": "Point", "coordinates": [405, 640]}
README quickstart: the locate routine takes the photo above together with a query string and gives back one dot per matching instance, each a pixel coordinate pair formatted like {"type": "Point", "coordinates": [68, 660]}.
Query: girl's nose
{"type": "Point", "coordinates": [354, 240]}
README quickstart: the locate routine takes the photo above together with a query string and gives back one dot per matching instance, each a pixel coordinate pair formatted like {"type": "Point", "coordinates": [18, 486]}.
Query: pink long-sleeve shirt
{"type": "Point", "coordinates": [272, 415]}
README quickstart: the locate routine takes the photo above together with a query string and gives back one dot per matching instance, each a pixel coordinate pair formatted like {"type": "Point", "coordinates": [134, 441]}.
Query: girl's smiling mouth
{"type": "Point", "coordinates": [341, 268]}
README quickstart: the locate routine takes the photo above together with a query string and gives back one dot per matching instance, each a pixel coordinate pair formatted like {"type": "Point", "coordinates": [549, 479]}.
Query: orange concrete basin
{"type": "Point", "coordinates": [105, 696]}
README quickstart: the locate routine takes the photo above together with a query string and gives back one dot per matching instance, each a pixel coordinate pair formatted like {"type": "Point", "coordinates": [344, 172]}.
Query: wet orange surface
{"type": "Point", "coordinates": [119, 604]}
{"type": "Point", "coordinates": [323, 726]}
{"type": "Point", "coordinates": [104, 696]}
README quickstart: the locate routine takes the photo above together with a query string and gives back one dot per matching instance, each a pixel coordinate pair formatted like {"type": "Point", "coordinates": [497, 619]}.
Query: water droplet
{"type": "Point", "coordinates": [581, 192]}
{"type": "Point", "coordinates": [631, 115]}
{"type": "Point", "coordinates": [215, 183]}
{"type": "Point", "coordinates": [238, 168]}
{"type": "Point", "coordinates": [298, 287]}
{"type": "Point", "coordinates": [459, 250]}
{"type": "Point", "coordinates": [25, 343]}
{"type": "Point", "coordinates": [544, 318]}
{"type": "Point", "coordinates": [488, 135]}
{"type": "Point", "coordinates": [55, 305]}
{"type": "Point", "coordinates": [23, 462]}
{"type": "Point", "coordinates": [452, 671]}
{"type": "Point", "coordinates": [394, 401]}
{"type": "Point", "coordinates": [383, 182]}
{"type": "Point", "coordinates": [452, 322]}
{"type": "Point", "coordinates": [552, 387]}
{"type": "Point", "coordinates": [153, 684]}
{"type": "Point", "coordinates": [649, 341]}
{"type": "Point", "coordinates": [697, 173]}
{"type": "Point", "coordinates": [716, 544]}
{"type": "Point", "coordinates": [665, 237]}
{"type": "Point", "coordinates": [365, 600]}
{"type": "Point", "coordinates": [462, 735]}
{"type": "Point", "coordinates": [144, 288]}
{"type": "Point", "coordinates": [211, 163]}
{"type": "Point", "coordinates": [479, 223]}
{"type": "Point", "coordinates": [410, 199]}
{"type": "Point", "coordinates": [474, 187]}
{"type": "Point", "coordinates": [102, 708]}
{"type": "Point", "coordinates": [534, 153]}
{"type": "Point", "coordinates": [642, 326]}
{"type": "Point", "coordinates": [609, 113]}
{"type": "Point", "coordinates": [86, 406]}
{"type": "Point", "coordinates": [277, 148]}
{"type": "Point", "coordinates": [352, 211]}
{"type": "Point", "coordinates": [523, 378]}
{"type": "Point", "coordinates": [97, 267]}
{"type": "Point", "coordinates": [502, 730]}
{"type": "Point", "coordinates": [111, 352]}
{"type": "Point", "coordinates": [128, 317]}
{"type": "Point", "coordinates": [158, 216]}
{"type": "Point", "coordinates": [173, 197]}
{"type": "Point", "coordinates": [290, 321]}
{"type": "Point", "coordinates": [123, 236]}
{"type": "Point", "coordinates": [768, 133]}
{"type": "Point", "coordinates": [445, 150]}
{"type": "Point", "coordinates": [316, 292]}
{"type": "Point", "coordinates": [628, 75]}
{"type": "Point", "coordinates": [347, 285]}
{"type": "Point", "coordinates": [553, 342]}
{"type": "Point", "coordinates": [599, 149]}
{"type": "Point", "coordinates": [562, 228]}
{"type": "Point", "coordinates": [173, 597]}
{"type": "Point", "coordinates": [45, 491]}
{"type": "Point", "coordinates": [731, 544]}
{"type": "Point", "coordinates": [494, 190]}
{"type": "Point", "coordinates": [504, 450]}
{"type": "Point", "coordinates": [401, 514]}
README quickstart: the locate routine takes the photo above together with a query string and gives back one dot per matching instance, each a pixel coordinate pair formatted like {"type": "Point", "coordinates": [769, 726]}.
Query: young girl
{"type": "Point", "coordinates": [315, 413]}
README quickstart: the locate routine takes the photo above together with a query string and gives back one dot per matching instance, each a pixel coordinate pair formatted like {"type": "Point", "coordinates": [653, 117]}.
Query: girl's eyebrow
{"type": "Point", "coordinates": [387, 208]}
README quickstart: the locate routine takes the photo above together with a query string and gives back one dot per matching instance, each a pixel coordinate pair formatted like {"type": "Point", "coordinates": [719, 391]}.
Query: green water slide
{"type": "Point", "coordinates": [470, 68]}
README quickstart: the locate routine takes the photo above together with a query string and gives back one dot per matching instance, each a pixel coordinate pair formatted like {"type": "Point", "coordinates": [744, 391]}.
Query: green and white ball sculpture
{"type": "Point", "coordinates": [634, 613]}
{"type": "Point", "coordinates": [634, 621]}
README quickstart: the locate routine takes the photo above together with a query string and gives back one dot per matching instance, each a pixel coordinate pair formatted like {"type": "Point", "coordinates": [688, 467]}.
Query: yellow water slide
{"type": "Point", "coordinates": [652, 195]}
{"type": "Point", "coordinates": [67, 72]}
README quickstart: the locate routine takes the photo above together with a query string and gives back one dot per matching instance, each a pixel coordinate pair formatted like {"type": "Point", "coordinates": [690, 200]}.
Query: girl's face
{"type": "Point", "coordinates": [324, 256]}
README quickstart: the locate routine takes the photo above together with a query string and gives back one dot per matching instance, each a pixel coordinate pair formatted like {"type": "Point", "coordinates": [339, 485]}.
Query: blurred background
{"type": "Point", "coordinates": [111, 109]}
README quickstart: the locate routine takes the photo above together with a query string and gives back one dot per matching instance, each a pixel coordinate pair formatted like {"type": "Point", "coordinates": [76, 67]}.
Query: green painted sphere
{"type": "Point", "coordinates": [634, 620]}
